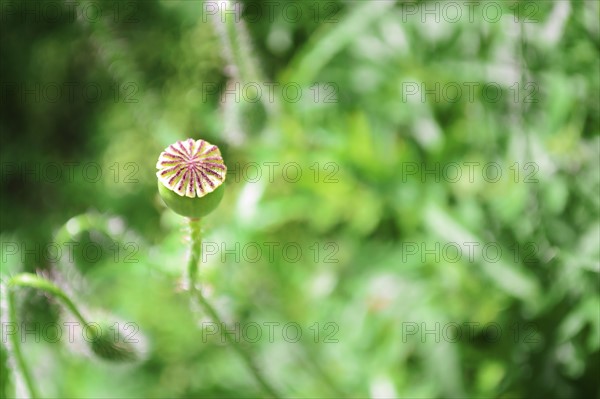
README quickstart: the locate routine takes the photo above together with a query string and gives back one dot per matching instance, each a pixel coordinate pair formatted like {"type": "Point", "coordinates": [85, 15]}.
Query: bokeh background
{"type": "Point", "coordinates": [387, 298]}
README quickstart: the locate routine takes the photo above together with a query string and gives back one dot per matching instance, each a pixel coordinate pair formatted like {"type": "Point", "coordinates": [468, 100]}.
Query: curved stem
{"type": "Point", "coordinates": [194, 261]}
{"type": "Point", "coordinates": [33, 281]}
{"type": "Point", "coordinates": [16, 347]}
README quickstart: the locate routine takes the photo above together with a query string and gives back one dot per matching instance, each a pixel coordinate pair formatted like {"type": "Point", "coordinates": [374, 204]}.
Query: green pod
{"type": "Point", "coordinates": [190, 177]}
{"type": "Point", "coordinates": [191, 207]}
{"type": "Point", "coordinates": [111, 346]}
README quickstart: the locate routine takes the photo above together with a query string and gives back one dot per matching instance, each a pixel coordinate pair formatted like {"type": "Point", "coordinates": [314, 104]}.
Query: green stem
{"type": "Point", "coordinates": [237, 41]}
{"type": "Point", "coordinates": [194, 261]}
{"type": "Point", "coordinates": [16, 348]}
{"type": "Point", "coordinates": [33, 281]}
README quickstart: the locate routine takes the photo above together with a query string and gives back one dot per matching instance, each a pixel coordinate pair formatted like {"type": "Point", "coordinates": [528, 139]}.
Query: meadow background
{"type": "Point", "coordinates": [421, 202]}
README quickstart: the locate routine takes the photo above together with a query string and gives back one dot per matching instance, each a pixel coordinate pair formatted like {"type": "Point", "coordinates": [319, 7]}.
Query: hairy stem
{"type": "Point", "coordinates": [33, 281]}
{"type": "Point", "coordinates": [236, 42]}
{"type": "Point", "coordinates": [194, 261]}
{"type": "Point", "coordinates": [16, 348]}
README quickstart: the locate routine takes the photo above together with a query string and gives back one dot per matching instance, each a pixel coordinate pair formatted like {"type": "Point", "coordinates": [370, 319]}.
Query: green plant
{"type": "Point", "coordinates": [100, 341]}
{"type": "Point", "coordinates": [407, 116]}
{"type": "Point", "coordinates": [190, 177]}
{"type": "Point", "coordinates": [103, 341]}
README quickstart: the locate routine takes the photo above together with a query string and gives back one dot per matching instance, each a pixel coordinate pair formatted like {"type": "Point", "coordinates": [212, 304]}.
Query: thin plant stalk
{"type": "Point", "coordinates": [21, 364]}
{"type": "Point", "coordinates": [33, 281]}
{"type": "Point", "coordinates": [192, 269]}
{"type": "Point", "coordinates": [235, 42]}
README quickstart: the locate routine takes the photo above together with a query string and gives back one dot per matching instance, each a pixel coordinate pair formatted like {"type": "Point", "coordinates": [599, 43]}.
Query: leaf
{"type": "Point", "coordinates": [512, 280]}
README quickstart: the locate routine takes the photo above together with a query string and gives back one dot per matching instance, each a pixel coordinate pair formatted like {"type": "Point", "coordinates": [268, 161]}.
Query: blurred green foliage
{"type": "Point", "coordinates": [363, 198]}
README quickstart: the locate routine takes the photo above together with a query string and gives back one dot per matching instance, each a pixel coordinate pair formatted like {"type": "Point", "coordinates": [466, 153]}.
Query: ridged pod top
{"type": "Point", "coordinates": [191, 168]}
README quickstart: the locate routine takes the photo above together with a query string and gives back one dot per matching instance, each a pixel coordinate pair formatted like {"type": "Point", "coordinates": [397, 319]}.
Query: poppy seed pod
{"type": "Point", "coordinates": [190, 177]}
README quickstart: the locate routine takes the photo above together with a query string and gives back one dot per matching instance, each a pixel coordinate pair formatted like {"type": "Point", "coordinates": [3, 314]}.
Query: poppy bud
{"type": "Point", "coordinates": [112, 345]}
{"type": "Point", "coordinates": [190, 177]}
